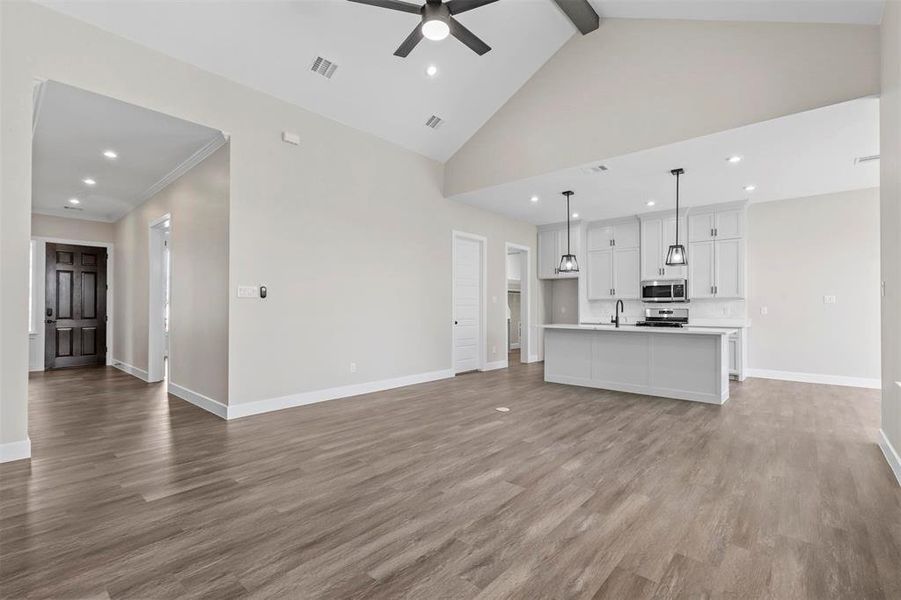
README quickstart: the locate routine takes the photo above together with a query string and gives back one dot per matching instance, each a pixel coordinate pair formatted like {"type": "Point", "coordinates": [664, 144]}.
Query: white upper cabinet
{"type": "Point", "coordinates": [552, 247]}
{"type": "Point", "coordinates": [657, 233]}
{"type": "Point", "coordinates": [716, 252]}
{"type": "Point", "coordinates": [729, 224]}
{"type": "Point", "coordinates": [651, 238]}
{"type": "Point", "coordinates": [600, 274]}
{"type": "Point", "coordinates": [701, 226]}
{"type": "Point", "coordinates": [613, 263]}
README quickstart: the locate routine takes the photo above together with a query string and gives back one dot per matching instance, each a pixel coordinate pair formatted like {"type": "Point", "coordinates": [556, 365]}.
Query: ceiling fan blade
{"type": "Point", "coordinates": [393, 5]}
{"type": "Point", "coordinates": [467, 37]}
{"type": "Point", "coordinates": [581, 14]}
{"type": "Point", "coordinates": [455, 7]}
{"type": "Point", "coordinates": [408, 44]}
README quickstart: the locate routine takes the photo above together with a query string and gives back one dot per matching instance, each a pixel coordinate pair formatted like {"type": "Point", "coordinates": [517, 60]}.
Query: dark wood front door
{"type": "Point", "coordinates": [75, 314]}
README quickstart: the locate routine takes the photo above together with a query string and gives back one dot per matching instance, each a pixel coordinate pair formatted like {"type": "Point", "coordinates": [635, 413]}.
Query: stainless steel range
{"type": "Point", "coordinates": [664, 317]}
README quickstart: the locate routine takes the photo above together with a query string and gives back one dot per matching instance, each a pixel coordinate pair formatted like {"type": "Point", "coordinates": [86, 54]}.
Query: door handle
{"type": "Point", "coordinates": [455, 322]}
{"type": "Point", "coordinates": [49, 321]}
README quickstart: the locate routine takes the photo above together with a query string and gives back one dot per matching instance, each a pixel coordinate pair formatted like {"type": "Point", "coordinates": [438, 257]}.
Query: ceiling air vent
{"type": "Point", "coordinates": [595, 169]}
{"type": "Point", "coordinates": [865, 159]}
{"type": "Point", "coordinates": [324, 67]}
{"type": "Point", "coordinates": [72, 208]}
{"type": "Point", "coordinates": [434, 121]}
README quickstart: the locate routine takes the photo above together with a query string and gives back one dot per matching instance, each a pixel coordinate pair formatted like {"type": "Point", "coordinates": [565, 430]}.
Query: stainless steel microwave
{"type": "Point", "coordinates": [670, 290]}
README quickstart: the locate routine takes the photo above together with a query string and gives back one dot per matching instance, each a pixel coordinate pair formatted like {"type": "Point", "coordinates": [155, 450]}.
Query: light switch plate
{"type": "Point", "coordinates": [248, 291]}
{"type": "Point", "coordinates": [828, 299]}
{"type": "Point", "coordinates": [764, 310]}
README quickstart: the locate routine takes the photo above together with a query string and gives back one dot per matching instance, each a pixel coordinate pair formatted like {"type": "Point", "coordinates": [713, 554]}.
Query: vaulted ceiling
{"type": "Point", "coordinates": [270, 45]}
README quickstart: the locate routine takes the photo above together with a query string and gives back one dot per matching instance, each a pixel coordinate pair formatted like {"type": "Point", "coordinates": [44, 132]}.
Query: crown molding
{"type": "Point", "coordinates": [183, 167]}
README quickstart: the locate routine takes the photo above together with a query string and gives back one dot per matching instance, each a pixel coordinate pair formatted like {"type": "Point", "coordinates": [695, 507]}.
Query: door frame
{"type": "Point", "coordinates": [156, 338]}
{"type": "Point", "coordinates": [525, 288]}
{"type": "Point", "coordinates": [483, 297]}
{"type": "Point", "coordinates": [39, 297]}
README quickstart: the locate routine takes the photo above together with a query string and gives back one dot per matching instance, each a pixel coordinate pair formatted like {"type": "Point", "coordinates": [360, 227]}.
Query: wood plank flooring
{"type": "Point", "coordinates": [428, 492]}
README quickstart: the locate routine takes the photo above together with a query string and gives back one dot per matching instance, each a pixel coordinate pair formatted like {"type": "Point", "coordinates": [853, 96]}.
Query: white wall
{"type": "Point", "coordinates": [342, 215]}
{"type": "Point", "coordinates": [71, 229]}
{"type": "Point", "coordinates": [890, 186]}
{"type": "Point", "coordinates": [198, 337]}
{"type": "Point", "coordinates": [638, 84]}
{"type": "Point", "coordinates": [800, 250]}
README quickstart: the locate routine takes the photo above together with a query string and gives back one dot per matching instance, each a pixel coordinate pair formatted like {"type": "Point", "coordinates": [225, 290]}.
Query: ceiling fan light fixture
{"type": "Point", "coordinates": [435, 30]}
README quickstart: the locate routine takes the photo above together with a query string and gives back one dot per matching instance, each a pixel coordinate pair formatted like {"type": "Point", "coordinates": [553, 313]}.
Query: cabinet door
{"type": "Point", "coordinates": [548, 259]}
{"type": "Point", "coordinates": [651, 234]}
{"type": "Point", "coordinates": [600, 274]}
{"type": "Point", "coordinates": [701, 269]}
{"type": "Point", "coordinates": [729, 224]}
{"type": "Point", "coordinates": [669, 237]}
{"type": "Point", "coordinates": [626, 273]}
{"type": "Point", "coordinates": [700, 227]}
{"type": "Point", "coordinates": [734, 355]}
{"type": "Point", "coordinates": [728, 262]}
{"type": "Point", "coordinates": [626, 235]}
{"type": "Point", "coordinates": [600, 238]}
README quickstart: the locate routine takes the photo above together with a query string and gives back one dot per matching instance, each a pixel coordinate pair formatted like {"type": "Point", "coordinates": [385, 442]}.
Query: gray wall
{"type": "Point", "coordinates": [637, 84]}
{"type": "Point", "coordinates": [198, 339]}
{"type": "Point", "coordinates": [800, 250]}
{"type": "Point", "coordinates": [890, 185]}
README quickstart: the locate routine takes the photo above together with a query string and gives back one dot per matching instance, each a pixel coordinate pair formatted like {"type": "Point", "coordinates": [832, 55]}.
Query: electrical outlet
{"type": "Point", "coordinates": [248, 291]}
{"type": "Point", "coordinates": [828, 299]}
{"type": "Point", "coordinates": [353, 367]}
{"type": "Point", "coordinates": [764, 310]}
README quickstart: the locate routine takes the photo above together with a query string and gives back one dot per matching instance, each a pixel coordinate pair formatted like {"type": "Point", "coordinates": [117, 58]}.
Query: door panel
{"type": "Point", "coordinates": [626, 235]}
{"type": "Point", "coordinates": [547, 254]}
{"type": "Point", "coordinates": [728, 264]}
{"type": "Point", "coordinates": [467, 304]}
{"type": "Point", "coordinates": [600, 274]}
{"type": "Point", "coordinates": [626, 274]}
{"type": "Point", "coordinates": [651, 234]}
{"type": "Point", "coordinates": [600, 238]}
{"type": "Point", "coordinates": [729, 224]}
{"type": "Point", "coordinates": [75, 317]}
{"type": "Point", "coordinates": [700, 264]}
{"type": "Point", "coordinates": [700, 227]}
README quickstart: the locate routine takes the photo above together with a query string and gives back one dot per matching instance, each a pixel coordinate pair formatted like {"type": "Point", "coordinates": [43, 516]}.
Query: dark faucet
{"type": "Point", "coordinates": [619, 306]}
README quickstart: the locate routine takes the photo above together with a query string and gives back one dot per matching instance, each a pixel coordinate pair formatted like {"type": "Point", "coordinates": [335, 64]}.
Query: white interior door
{"type": "Point", "coordinates": [467, 304]}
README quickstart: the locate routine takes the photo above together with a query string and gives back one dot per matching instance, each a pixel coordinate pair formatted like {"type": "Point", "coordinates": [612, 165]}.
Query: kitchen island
{"type": "Point", "coordinates": [688, 363]}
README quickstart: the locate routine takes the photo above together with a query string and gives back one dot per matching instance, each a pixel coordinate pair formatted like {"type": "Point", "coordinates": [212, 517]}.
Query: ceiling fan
{"type": "Point", "coordinates": [437, 20]}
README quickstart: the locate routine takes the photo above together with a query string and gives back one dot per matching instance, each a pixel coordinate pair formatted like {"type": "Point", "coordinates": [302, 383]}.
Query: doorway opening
{"type": "Point", "coordinates": [159, 285]}
{"type": "Point", "coordinates": [469, 336]}
{"type": "Point", "coordinates": [517, 297]}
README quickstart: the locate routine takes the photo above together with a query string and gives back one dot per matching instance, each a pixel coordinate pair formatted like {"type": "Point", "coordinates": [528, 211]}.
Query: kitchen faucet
{"type": "Point", "coordinates": [619, 306]}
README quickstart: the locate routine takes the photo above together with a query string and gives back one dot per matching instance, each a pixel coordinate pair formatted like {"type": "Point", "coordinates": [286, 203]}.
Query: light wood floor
{"type": "Point", "coordinates": [428, 492]}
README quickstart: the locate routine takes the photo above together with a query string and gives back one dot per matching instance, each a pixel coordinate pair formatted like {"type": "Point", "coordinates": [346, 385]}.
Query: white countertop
{"type": "Point", "coordinates": [634, 329]}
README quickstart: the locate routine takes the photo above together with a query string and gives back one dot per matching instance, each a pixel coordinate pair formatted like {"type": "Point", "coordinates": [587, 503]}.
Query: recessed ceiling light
{"type": "Point", "coordinates": [534, 198]}
{"type": "Point", "coordinates": [88, 181]}
{"type": "Point", "coordinates": [734, 159]}
{"type": "Point", "coordinates": [750, 188]}
{"type": "Point", "coordinates": [74, 201]}
{"type": "Point", "coordinates": [651, 203]}
{"type": "Point", "coordinates": [431, 70]}
{"type": "Point", "coordinates": [110, 154]}
{"type": "Point", "coordinates": [575, 215]}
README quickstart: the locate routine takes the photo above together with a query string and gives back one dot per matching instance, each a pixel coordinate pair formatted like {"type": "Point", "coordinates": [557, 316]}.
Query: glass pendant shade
{"type": "Point", "coordinates": [568, 264]}
{"type": "Point", "coordinates": [675, 256]}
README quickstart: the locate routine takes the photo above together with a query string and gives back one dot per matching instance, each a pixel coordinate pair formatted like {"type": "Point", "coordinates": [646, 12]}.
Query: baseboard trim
{"type": "Point", "coordinates": [131, 370]}
{"type": "Point", "coordinates": [861, 382]}
{"type": "Point", "coordinates": [206, 403]}
{"type": "Point", "coordinates": [237, 411]}
{"type": "Point", "coordinates": [498, 364]}
{"type": "Point", "coordinates": [891, 455]}
{"type": "Point", "coordinates": [11, 451]}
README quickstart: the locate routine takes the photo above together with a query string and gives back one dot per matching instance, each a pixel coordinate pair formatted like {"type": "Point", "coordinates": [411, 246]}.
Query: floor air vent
{"type": "Point", "coordinates": [324, 67]}
{"type": "Point", "coordinates": [434, 122]}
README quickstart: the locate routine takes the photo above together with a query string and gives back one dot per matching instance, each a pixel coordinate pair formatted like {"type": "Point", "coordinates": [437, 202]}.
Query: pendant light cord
{"type": "Point", "coordinates": [567, 222]}
{"type": "Point", "coordinates": [677, 207]}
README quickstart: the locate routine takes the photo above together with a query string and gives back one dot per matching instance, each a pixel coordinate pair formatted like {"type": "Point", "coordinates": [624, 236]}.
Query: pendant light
{"type": "Point", "coordinates": [675, 256]}
{"type": "Point", "coordinates": [568, 262]}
